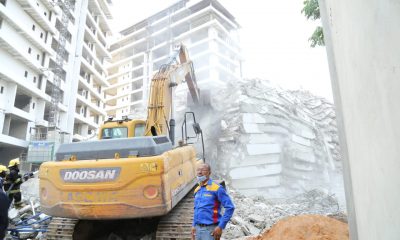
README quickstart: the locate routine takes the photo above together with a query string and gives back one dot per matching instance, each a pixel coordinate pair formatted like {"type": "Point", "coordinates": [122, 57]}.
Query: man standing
{"type": "Point", "coordinates": [13, 183]}
{"type": "Point", "coordinates": [208, 198]}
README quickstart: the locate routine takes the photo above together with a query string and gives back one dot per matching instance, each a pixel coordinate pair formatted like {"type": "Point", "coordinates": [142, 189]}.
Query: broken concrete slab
{"type": "Point", "coordinates": [253, 118]}
{"type": "Point", "coordinates": [260, 182]}
{"type": "Point", "coordinates": [257, 160]}
{"type": "Point", "coordinates": [301, 140]}
{"type": "Point", "coordinates": [255, 171]}
{"type": "Point", "coordinates": [258, 138]}
{"type": "Point", "coordinates": [251, 128]}
{"type": "Point", "coordinates": [261, 149]}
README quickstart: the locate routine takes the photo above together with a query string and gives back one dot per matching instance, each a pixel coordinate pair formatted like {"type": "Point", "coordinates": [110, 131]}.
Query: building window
{"type": "Point", "coordinates": [26, 74]}
{"type": "Point", "coordinates": [1, 89]}
{"type": "Point", "coordinates": [39, 84]}
{"type": "Point", "coordinates": [33, 106]}
{"type": "Point", "coordinates": [29, 50]}
{"type": "Point", "coordinates": [34, 79]}
{"type": "Point", "coordinates": [33, 27]}
{"type": "Point", "coordinates": [38, 57]}
{"type": "Point", "coordinates": [41, 35]}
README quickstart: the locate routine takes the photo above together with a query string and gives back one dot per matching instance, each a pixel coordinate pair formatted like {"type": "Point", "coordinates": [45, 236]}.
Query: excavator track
{"type": "Point", "coordinates": [178, 223]}
{"type": "Point", "coordinates": [60, 229]}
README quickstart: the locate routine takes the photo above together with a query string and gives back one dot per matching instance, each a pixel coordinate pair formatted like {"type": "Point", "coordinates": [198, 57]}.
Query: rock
{"type": "Point", "coordinates": [254, 218]}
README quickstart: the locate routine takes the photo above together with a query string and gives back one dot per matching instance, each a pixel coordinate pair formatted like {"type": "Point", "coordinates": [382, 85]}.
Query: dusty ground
{"type": "Point", "coordinates": [306, 227]}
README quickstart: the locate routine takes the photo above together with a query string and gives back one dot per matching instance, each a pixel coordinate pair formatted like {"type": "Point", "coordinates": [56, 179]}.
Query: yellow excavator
{"type": "Point", "coordinates": [133, 172]}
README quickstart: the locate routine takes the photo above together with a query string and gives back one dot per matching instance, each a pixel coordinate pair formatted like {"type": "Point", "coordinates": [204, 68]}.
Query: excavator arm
{"type": "Point", "coordinates": [160, 105]}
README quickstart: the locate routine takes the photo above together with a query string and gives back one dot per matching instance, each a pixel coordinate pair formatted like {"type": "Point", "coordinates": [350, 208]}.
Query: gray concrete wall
{"type": "Point", "coordinates": [362, 38]}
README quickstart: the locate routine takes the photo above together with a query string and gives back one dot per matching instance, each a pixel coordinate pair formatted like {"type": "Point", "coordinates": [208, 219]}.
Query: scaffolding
{"type": "Point", "coordinates": [45, 140]}
{"type": "Point", "coordinates": [61, 53]}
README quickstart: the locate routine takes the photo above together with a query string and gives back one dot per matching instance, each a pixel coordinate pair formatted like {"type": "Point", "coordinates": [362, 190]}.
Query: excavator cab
{"type": "Point", "coordinates": [124, 128]}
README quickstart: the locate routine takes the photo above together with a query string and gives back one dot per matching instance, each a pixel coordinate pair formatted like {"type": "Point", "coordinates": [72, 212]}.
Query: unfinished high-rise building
{"type": "Point", "coordinates": [207, 29]}
{"type": "Point", "coordinates": [52, 77]}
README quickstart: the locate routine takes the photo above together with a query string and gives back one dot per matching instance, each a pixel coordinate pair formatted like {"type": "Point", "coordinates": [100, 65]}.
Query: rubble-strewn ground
{"type": "Point", "coordinates": [253, 216]}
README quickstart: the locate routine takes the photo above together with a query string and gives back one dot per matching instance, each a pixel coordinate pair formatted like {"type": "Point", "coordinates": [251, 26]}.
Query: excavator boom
{"type": "Point", "coordinates": [162, 85]}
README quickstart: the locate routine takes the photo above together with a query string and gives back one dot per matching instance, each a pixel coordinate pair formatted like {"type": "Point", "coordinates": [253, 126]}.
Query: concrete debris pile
{"type": "Point", "coordinates": [255, 215]}
{"type": "Point", "coordinates": [276, 142]}
{"type": "Point", "coordinates": [28, 222]}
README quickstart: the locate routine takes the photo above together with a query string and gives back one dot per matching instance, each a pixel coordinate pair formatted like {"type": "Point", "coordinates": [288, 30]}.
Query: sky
{"type": "Point", "coordinates": [273, 37]}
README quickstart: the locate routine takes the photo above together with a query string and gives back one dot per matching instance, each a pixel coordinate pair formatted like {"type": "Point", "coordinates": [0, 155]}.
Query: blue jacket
{"type": "Point", "coordinates": [208, 199]}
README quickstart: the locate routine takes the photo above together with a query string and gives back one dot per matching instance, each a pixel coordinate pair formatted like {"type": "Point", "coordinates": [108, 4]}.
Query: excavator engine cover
{"type": "Point", "coordinates": [108, 148]}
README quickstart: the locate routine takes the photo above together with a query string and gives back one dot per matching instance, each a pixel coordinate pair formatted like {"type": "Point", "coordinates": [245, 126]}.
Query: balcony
{"type": "Point", "coordinates": [93, 56]}
{"type": "Point", "coordinates": [81, 100]}
{"type": "Point", "coordinates": [90, 36]}
{"type": "Point", "coordinates": [90, 88]}
{"type": "Point", "coordinates": [24, 31]}
{"type": "Point", "coordinates": [7, 74]}
{"type": "Point", "coordinates": [85, 120]}
{"type": "Point", "coordinates": [137, 71]}
{"type": "Point", "coordinates": [112, 90]}
{"type": "Point", "coordinates": [30, 7]}
{"type": "Point", "coordinates": [97, 10]}
{"type": "Point", "coordinates": [6, 140]}
{"type": "Point", "coordinates": [22, 114]}
{"type": "Point", "coordinates": [6, 42]}
{"type": "Point", "coordinates": [119, 106]}
{"type": "Point", "coordinates": [138, 56]}
{"type": "Point", "coordinates": [50, 4]}
{"type": "Point", "coordinates": [89, 68]}
{"type": "Point", "coordinates": [93, 22]}
{"type": "Point", "coordinates": [106, 8]}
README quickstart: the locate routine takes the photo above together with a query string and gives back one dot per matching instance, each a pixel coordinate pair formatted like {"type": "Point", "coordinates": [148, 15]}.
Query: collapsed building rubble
{"type": "Point", "coordinates": [28, 222]}
{"type": "Point", "coordinates": [276, 142]}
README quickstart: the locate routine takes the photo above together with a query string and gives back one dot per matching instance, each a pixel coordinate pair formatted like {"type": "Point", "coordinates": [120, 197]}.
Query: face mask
{"type": "Point", "coordinates": [201, 178]}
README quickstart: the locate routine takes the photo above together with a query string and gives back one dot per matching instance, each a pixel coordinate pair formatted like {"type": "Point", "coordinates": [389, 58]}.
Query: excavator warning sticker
{"type": "Point", "coordinates": [90, 175]}
{"type": "Point", "coordinates": [148, 167]}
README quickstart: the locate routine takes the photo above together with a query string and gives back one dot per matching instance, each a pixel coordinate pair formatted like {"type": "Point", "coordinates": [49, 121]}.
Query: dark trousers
{"type": "Point", "coordinates": [16, 197]}
{"type": "Point", "coordinates": [4, 204]}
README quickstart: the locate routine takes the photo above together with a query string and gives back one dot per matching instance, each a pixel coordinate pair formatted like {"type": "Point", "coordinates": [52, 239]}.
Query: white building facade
{"type": "Point", "coordinates": [45, 46]}
{"type": "Point", "coordinates": [90, 101]}
{"type": "Point", "coordinates": [206, 28]}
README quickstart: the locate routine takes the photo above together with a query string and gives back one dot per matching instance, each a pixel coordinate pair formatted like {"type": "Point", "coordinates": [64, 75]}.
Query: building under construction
{"type": "Point", "coordinates": [206, 28]}
{"type": "Point", "coordinates": [68, 72]}
{"type": "Point", "coordinates": [51, 90]}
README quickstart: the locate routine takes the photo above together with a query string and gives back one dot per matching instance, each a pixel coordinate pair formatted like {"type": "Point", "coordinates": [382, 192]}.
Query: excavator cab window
{"type": "Point", "coordinates": [139, 129]}
{"type": "Point", "coordinates": [120, 132]}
